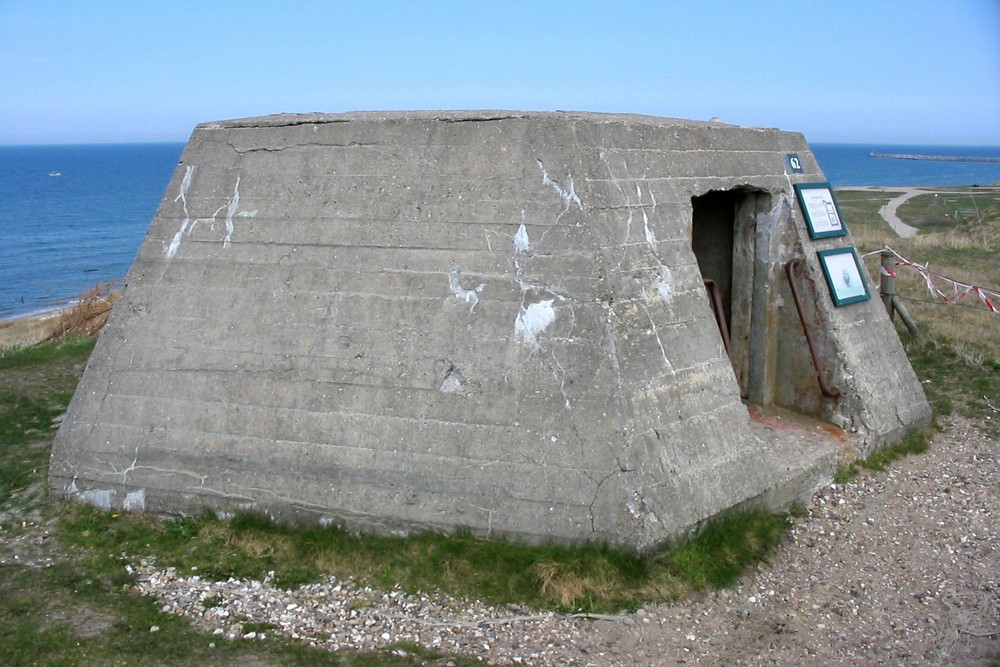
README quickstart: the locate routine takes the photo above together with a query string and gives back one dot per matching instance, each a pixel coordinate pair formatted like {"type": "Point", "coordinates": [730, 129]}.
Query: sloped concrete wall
{"type": "Point", "coordinates": [431, 320]}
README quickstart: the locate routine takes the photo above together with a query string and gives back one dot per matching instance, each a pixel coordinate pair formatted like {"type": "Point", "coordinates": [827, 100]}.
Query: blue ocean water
{"type": "Point", "coordinates": [73, 216]}
{"type": "Point", "coordinates": [850, 164]}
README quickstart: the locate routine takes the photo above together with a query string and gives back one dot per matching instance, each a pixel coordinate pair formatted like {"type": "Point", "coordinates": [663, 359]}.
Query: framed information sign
{"type": "Point", "coordinates": [821, 210]}
{"type": "Point", "coordinates": [842, 269]}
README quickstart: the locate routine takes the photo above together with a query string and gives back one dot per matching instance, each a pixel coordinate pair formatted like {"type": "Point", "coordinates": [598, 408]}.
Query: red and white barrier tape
{"type": "Point", "coordinates": [959, 289]}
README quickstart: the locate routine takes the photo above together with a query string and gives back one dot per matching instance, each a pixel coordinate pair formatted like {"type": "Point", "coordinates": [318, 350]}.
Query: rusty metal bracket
{"type": "Point", "coordinates": [824, 388]}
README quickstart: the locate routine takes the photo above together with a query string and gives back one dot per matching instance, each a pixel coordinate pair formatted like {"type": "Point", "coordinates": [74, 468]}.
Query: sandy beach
{"type": "Point", "coordinates": [83, 317]}
{"type": "Point", "coordinates": [32, 328]}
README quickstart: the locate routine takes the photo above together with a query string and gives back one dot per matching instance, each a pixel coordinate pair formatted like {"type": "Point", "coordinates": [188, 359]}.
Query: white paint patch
{"type": "Point", "coordinates": [453, 383]}
{"type": "Point", "coordinates": [470, 296]}
{"type": "Point", "coordinates": [659, 341]}
{"type": "Point", "coordinates": [185, 186]}
{"type": "Point", "coordinates": [187, 225]}
{"type": "Point", "coordinates": [234, 205]}
{"type": "Point", "coordinates": [650, 237]}
{"type": "Point", "coordinates": [663, 287]}
{"type": "Point", "coordinates": [521, 241]}
{"type": "Point", "coordinates": [533, 320]}
{"type": "Point", "coordinates": [568, 196]}
{"type": "Point", "coordinates": [634, 506]}
{"type": "Point", "coordinates": [176, 243]}
{"type": "Point", "coordinates": [135, 460]}
{"type": "Point", "coordinates": [99, 498]}
{"type": "Point", "coordinates": [182, 196]}
{"type": "Point", "coordinates": [135, 501]}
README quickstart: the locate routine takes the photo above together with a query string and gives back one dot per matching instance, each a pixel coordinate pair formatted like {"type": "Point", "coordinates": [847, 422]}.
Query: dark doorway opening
{"type": "Point", "coordinates": [723, 231]}
{"type": "Point", "coordinates": [714, 221]}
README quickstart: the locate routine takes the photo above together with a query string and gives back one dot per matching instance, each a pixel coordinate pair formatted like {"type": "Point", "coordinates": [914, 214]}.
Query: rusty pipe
{"type": "Point", "coordinates": [720, 314]}
{"type": "Point", "coordinates": [824, 388]}
{"type": "Point", "coordinates": [715, 296]}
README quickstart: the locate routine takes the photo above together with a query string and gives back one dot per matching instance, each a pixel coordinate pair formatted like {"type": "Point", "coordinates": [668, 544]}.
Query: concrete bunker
{"type": "Point", "coordinates": [512, 322]}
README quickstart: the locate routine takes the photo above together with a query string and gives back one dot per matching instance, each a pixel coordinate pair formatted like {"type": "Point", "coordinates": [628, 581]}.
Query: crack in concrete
{"type": "Point", "coordinates": [481, 119]}
{"type": "Point", "coordinates": [622, 469]}
{"type": "Point", "coordinates": [303, 144]}
{"type": "Point", "coordinates": [268, 126]}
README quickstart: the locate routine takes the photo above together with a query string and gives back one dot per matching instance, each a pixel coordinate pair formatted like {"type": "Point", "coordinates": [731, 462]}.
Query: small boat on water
{"type": "Point", "coordinates": [55, 173]}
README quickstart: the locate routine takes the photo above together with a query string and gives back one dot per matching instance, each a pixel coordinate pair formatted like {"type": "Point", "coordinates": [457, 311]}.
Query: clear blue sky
{"type": "Point", "coordinates": [865, 71]}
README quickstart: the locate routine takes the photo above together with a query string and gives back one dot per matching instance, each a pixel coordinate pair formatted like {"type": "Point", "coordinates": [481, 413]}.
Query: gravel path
{"type": "Point", "coordinates": [890, 213]}
{"type": "Point", "coordinates": [890, 210]}
{"type": "Point", "coordinates": [897, 568]}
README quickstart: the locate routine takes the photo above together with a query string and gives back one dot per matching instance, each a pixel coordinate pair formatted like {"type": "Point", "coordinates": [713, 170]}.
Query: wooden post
{"type": "Point", "coordinates": [887, 290]}
{"type": "Point", "coordinates": [904, 314]}
{"type": "Point", "coordinates": [887, 283]}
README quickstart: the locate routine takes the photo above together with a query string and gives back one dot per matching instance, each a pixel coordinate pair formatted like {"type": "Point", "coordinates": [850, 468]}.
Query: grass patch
{"type": "Point", "coordinates": [958, 378]}
{"type": "Point", "coordinates": [860, 209]}
{"type": "Point", "coordinates": [37, 386]}
{"type": "Point", "coordinates": [915, 442]}
{"type": "Point", "coordinates": [71, 349]}
{"type": "Point", "coordinates": [845, 472]}
{"type": "Point", "coordinates": [25, 420]}
{"type": "Point", "coordinates": [942, 211]}
{"type": "Point", "coordinates": [589, 578]}
{"type": "Point", "coordinates": [722, 550]}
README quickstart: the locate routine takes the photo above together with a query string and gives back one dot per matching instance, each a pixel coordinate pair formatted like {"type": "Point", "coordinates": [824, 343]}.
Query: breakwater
{"type": "Point", "coordinates": [939, 158]}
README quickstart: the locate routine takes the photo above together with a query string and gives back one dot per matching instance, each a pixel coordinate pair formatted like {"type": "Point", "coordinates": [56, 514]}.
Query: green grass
{"type": "Point", "coordinates": [915, 442]}
{"type": "Point", "coordinates": [25, 420]}
{"type": "Point", "coordinates": [957, 379]}
{"type": "Point", "coordinates": [37, 386]}
{"type": "Point", "coordinates": [583, 578]}
{"type": "Point", "coordinates": [940, 211]}
{"type": "Point", "coordinates": [21, 358]}
{"type": "Point", "coordinates": [720, 552]}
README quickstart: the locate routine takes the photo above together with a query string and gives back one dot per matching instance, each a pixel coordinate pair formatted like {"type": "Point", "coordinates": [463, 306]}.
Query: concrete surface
{"type": "Point", "coordinates": [496, 320]}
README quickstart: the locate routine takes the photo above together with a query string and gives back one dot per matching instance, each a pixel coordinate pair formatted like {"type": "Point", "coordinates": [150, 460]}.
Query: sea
{"type": "Point", "coordinates": [72, 217]}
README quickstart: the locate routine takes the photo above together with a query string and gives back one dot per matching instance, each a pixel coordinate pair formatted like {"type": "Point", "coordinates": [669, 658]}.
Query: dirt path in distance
{"type": "Point", "coordinates": [889, 211]}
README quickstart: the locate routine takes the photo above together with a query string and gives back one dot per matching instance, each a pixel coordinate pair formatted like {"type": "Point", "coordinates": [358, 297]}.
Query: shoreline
{"type": "Point", "coordinates": [32, 328]}
{"type": "Point", "coordinates": [39, 313]}
{"type": "Point", "coordinates": [85, 316]}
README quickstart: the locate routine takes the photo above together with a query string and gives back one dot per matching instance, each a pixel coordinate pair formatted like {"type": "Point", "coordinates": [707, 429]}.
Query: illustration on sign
{"type": "Point", "coordinates": [820, 209]}
{"type": "Point", "coordinates": [842, 269]}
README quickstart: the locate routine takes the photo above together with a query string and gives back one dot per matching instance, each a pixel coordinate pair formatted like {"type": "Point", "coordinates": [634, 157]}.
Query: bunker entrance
{"type": "Point", "coordinates": [724, 224]}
